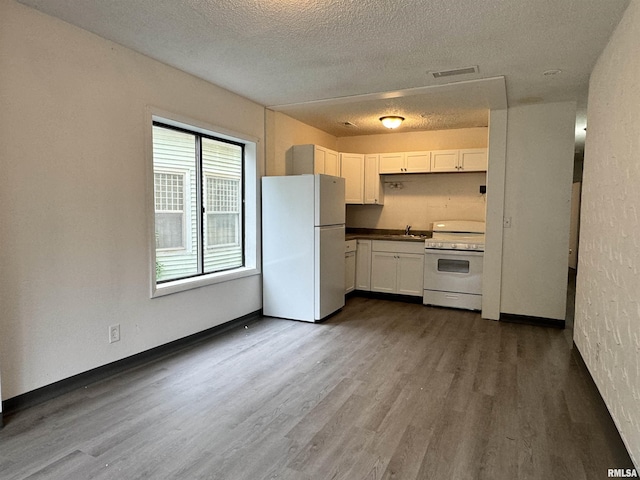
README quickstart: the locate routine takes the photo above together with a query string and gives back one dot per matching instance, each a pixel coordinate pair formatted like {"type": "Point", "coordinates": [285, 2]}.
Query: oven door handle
{"type": "Point", "coordinates": [458, 253]}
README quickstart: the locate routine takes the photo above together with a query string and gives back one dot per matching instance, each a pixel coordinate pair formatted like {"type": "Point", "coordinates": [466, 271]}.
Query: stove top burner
{"type": "Point", "coordinates": [461, 236]}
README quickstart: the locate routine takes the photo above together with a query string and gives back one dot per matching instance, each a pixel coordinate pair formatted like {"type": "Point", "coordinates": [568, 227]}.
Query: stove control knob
{"type": "Point", "coordinates": [472, 247]}
{"type": "Point", "coordinates": [454, 246]}
{"type": "Point", "coordinates": [439, 245]}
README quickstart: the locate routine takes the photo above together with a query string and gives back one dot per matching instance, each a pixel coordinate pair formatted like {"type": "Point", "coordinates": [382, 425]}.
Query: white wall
{"type": "Point", "coordinates": [415, 141]}
{"type": "Point", "coordinates": [538, 179]}
{"type": "Point", "coordinates": [282, 133]}
{"type": "Point", "coordinates": [492, 268]}
{"type": "Point", "coordinates": [607, 318]}
{"type": "Point", "coordinates": [576, 191]}
{"type": "Point", "coordinates": [74, 252]}
{"type": "Point", "coordinates": [422, 200]}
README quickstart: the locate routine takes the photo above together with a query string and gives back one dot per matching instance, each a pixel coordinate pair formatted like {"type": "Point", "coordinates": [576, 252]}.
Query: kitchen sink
{"type": "Point", "coordinates": [400, 235]}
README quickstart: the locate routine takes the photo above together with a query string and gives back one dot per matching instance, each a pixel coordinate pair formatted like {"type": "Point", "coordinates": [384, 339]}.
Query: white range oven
{"type": "Point", "coordinates": [453, 264]}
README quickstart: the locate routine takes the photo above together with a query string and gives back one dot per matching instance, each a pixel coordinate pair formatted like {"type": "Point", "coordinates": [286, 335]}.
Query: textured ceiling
{"type": "Point", "coordinates": [284, 52]}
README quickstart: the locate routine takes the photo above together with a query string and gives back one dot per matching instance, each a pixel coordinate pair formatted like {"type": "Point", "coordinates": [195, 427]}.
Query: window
{"type": "Point", "coordinates": [198, 201]}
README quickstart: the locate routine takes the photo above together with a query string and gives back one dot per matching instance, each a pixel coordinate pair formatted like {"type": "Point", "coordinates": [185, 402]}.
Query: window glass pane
{"type": "Point", "coordinates": [169, 230]}
{"type": "Point", "coordinates": [222, 189]}
{"type": "Point", "coordinates": [222, 229]}
{"type": "Point", "coordinates": [174, 165]}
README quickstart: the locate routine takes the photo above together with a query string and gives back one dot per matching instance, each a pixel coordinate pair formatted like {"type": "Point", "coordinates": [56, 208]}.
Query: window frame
{"type": "Point", "coordinates": [249, 205]}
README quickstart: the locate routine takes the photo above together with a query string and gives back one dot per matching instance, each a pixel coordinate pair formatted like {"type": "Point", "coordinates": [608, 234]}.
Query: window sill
{"type": "Point", "coordinates": [201, 281]}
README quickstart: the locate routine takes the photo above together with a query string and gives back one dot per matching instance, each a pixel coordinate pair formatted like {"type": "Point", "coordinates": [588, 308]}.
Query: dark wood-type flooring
{"type": "Point", "coordinates": [382, 390]}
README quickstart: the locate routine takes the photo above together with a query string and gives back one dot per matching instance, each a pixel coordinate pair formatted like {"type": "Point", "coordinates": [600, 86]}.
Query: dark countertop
{"type": "Point", "coordinates": [383, 234]}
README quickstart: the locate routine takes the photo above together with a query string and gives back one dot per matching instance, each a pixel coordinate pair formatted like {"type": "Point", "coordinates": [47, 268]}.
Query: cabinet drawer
{"type": "Point", "coordinates": [397, 246]}
{"type": "Point", "coordinates": [455, 300]}
{"type": "Point", "coordinates": [350, 246]}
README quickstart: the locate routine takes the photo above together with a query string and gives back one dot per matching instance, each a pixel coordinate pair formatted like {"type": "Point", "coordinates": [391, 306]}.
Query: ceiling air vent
{"type": "Point", "coordinates": [456, 71]}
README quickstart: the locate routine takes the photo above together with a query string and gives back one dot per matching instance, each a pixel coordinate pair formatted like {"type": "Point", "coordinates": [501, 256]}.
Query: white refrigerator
{"type": "Point", "coordinates": [303, 220]}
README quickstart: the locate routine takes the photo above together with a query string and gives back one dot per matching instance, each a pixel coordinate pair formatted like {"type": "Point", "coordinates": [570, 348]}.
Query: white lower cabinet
{"type": "Point", "coordinates": [384, 272]}
{"type": "Point", "coordinates": [363, 265]}
{"type": "Point", "coordinates": [397, 267]}
{"type": "Point", "coordinates": [410, 274]}
{"type": "Point", "coordinates": [350, 266]}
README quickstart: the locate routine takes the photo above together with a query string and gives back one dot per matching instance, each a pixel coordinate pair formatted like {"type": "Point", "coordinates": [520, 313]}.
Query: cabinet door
{"type": "Point", "coordinates": [319, 158]}
{"type": "Point", "coordinates": [392, 163]}
{"type": "Point", "coordinates": [444, 161]}
{"type": "Point", "coordinates": [363, 265]}
{"type": "Point", "coordinates": [331, 163]}
{"type": "Point", "coordinates": [410, 274]}
{"type": "Point", "coordinates": [302, 160]}
{"type": "Point", "coordinates": [383, 272]}
{"type": "Point", "coordinates": [349, 272]}
{"type": "Point", "coordinates": [373, 186]}
{"type": "Point", "coordinates": [473, 160]}
{"type": "Point", "coordinates": [352, 169]}
{"type": "Point", "coordinates": [417, 162]}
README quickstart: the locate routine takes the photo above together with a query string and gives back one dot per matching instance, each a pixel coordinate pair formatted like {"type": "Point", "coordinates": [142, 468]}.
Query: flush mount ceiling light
{"type": "Point", "coordinates": [391, 121]}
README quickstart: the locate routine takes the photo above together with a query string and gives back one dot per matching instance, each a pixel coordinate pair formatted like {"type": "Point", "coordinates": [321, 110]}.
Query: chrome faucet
{"type": "Point", "coordinates": [407, 229]}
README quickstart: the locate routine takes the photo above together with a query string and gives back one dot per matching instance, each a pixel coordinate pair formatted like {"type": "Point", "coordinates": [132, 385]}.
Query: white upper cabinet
{"type": "Point", "coordinates": [373, 186]}
{"type": "Point", "coordinates": [331, 163]}
{"type": "Point", "coordinates": [312, 159]}
{"type": "Point", "coordinates": [445, 160]}
{"type": "Point", "coordinates": [473, 160]}
{"type": "Point", "coordinates": [417, 162]}
{"type": "Point", "coordinates": [405, 162]}
{"type": "Point", "coordinates": [353, 171]}
{"type": "Point", "coordinates": [392, 163]}
{"type": "Point", "coordinates": [467, 160]}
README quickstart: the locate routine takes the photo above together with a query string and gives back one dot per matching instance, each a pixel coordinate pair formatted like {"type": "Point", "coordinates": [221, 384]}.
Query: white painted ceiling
{"type": "Point", "coordinates": [327, 62]}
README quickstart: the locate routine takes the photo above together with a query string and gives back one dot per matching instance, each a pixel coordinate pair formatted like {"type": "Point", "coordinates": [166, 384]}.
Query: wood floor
{"type": "Point", "coordinates": [382, 390]}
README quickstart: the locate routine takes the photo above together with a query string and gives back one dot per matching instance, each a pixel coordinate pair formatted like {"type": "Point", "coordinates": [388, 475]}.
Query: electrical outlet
{"type": "Point", "coordinates": [507, 222]}
{"type": "Point", "coordinates": [114, 333]}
